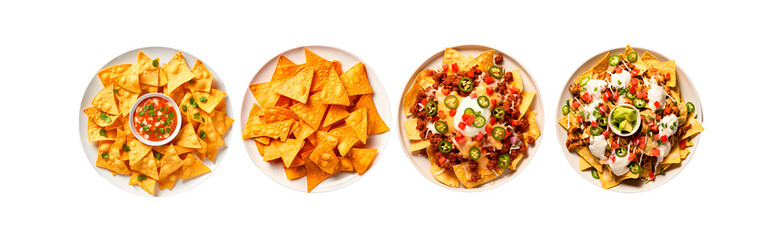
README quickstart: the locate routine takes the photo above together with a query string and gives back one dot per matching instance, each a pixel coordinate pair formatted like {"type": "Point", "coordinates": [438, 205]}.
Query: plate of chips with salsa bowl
{"type": "Point", "coordinates": [470, 123]}
{"type": "Point", "coordinates": [154, 127]}
{"type": "Point", "coordinates": [311, 124]}
{"type": "Point", "coordinates": [629, 119]}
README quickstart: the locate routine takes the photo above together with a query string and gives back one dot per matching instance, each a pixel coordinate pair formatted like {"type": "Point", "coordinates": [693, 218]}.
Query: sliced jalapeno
{"type": "Point", "coordinates": [596, 131]}
{"type": "Point", "coordinates": [634, 167]}
{"type": "Point", "coordinates": [483, 101]}
{"type": "Point", "coordinates": [466, 84]}
{"type": "Point", "coordinates": [632, 56]}
{"type": "Point", "coordinates": [565, 109]}
{"type": "Point", "coordinates": [496, 71]}
{"type": "Point", "coordinates": [584, 80]}
{"type": "Point", "coordinates": [499, 133]}
{"type": "Point", "coordinates": [602, 122]}
{"type": "Point", "coordinates": [475, 153]}
{"type": "Point", "coordinates": [479, 121]}
{"type": "Point", "coordinates": [431, 108]}
{"type": "Point", "coordinates": [621, 152]}
{"type": "Point", "coordinates": [614, 60]}
{"type": "Point", "coordinates": [640, 103]}
{"type": "Point", "coordinates": [445, 146]}
{"type": "Point", "coordinates": [689, 107]}
{"type": "Point", "coordinates": [469, 111]}
{"type": "Point", "coordinates": [498, 112]}
{"type": "Point", "coordinates": [594, 173]}
{"type": "Point", "coordinates": [451, 102]}
{"type": "Point", "coordinates": [504, 160]}
{"type": "Point", "coordinates": [441, 126]}
{"type": "Point", "coordinates": [630, 95]}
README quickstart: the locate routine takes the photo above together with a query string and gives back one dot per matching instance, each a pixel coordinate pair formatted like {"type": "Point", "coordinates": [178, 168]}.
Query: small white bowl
{"type": "Point", "coordinates": [176, 128]}
{"type": "Point", "coordinates": [636, 126]}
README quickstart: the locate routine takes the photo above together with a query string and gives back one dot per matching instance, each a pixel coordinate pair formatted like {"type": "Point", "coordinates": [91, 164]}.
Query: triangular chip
{"type": "Point", "coordinates": [169, 181]}
{"type": "Point", "coordinates": [130, 78]}
{"type": "Point", "coordinates": [335, 114]}
{"type": "Point", "coordinates": [295, 172]}
{"type": "Point", "coordinates": [187, 137]}
{"type": "Point", "coordinates": [104, 100]}
{"type": "Point", "coordinates": [358, 121]}
{"type": "Point", "coordinates": [334, 92]}
{"type": "Point", "coordinates": [361, 159]}
{"type": "Point", "coordinates": [314, 175]}
{"type": "Point", "coordinates": [192, 167]}
{"type": "Point", "coordinates": [411, 131]}
{"type": "Point", "coordinates": [311, 112]}
{"type": "Point", "coordinates": [96, 133]}
{"type": "Point", "coordinates": [146, 183]}
{"type": "Point", "coordinates": [289, 150]}
{"type": "Point", "coordinates": [324, 155]}
{"type": "Point", "coordinates": [146, 165]}
{"type": "Point", "coordinates": [112, 74]}
{"type": "Point", "coordinates": [112, 163]}
{"type": "Point", "coordinates": [148, 72]}
{"type": "Point", "coordinates": [202, 79]}
{"type": "Point", "coordinates": [375, 124]}
{"type": "Point", "coordinates": [138, 150]}
{"type": "Point", "coordinates": [208, 100]}
{"type": "Point", "coordinates": [265, 94]}
{"type": "Point", "coordinates": [321, 68]}
{"type": "Point", "coordinates": [177, 72]}
{"type": "Point", "coordinates": [125, 99]}
{"type": "Point", "coordinates": [483, 61]}
{"type": "Point", "coordinates": [298, 86]}
{"type": "Point", "coordinates": [452, 56]}
{"type": "Point", "coordinates": [346, 137]}
{"type": "Point", "coordinates": [170, 163]}
{"type": "Point", "coordinates": [356, 80]}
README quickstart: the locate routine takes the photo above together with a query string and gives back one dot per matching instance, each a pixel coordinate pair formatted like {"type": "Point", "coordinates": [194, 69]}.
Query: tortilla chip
{"type": "Point", "coordinates": [130, 78]}
{"type": "Point", "coordinates": [444, 176]}
{"type": "Point", "coordinates": [321, 69]}
{"type": "Point", "coordinates": [264, 93]}
{"type": "Point", "coordinates": [192, 167]}
{"type": "Point", "coordinates": [409, 100]}
{"type": "Point", "coordinates": [525, 103]}
{"type": "Point", "coordinates": [284, 69]}
{"type": "Point", "coordinates": [96, 133]}
{"type": "Point", "coordinates": [295, 172]}
{"type": "Point", "coordinates": [584, 165]}
{"type": "Point", "coordinates": [112, 74]}
{"type": "Point", "coordinates": [298, 86]}
{"type": "Point", "coordinates": [358, 121]}
{"type": "Point", "coordinates": [356, 80]}
{"type": "Point", "coordinates": [694, 128]}
{"type": "Point", "coordinates": [417, 145]}
{"type": "Point", "coordinates": [462, 174]}
{"type": "Point", "coordinates": [274, 114]}
{"type": "Point", "coordinates": [346, 137]}
{"type": "Point", "coordinates": [335, 114]}
{"type": "Point", "coordinates": [187, 137]}
{"type": "Point", "coordinates": [324, 155]}
{"type": "Point", "coordinates": [311, 112]}
{"type": "Point", "coordinates": [314, 175]}
{"type": "Point", "coordinates": [289, 150]}
{"type": "Point", "coordinates": [148, 184]}
{"type": "Point", "coordinates": [148, 74]}
{"type": "Point", "coordinates": [333, 91]}
{"type": "Point", "coordinates": [411, 132]}
{"type": "Point", "coordinates": [375, 124]}
{"type": "Point", "coordinates": [361, 159]}
{"type": "Point", "coordinates": [147, 165]}
{"type": "Point", "coordinates": [533, 129]}
{"type": "Point", "coordinates": [168, 182]}
{"type": "Point", "coordinates": [483, 61]}
{"type": "Point", "coordinates": [125, 99]}
{"type": "Point", "coordinates": [104, 100]}
{"type": "Point", "coordinates": [453, 56]}
{"type": "Point", "coordinates": [272, 151]}
{"type": "Point", "coordinates": [585, 153]}
{"type": "Point", "coordinates": [208, 100]}
{"type": "Point", "coordinates": [112, 163]}
{"type": "Point", "coordinates": [102, 119]}
{"type": "Point", "coordinates": [170, 163]}
{"type": "Point", "coordinates": [276, 130]}
{"type": "Point", "coordinates": [202, 78]}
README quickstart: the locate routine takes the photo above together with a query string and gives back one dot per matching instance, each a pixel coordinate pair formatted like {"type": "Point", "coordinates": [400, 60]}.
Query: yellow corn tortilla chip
{"type": "Point", "coordinates": [417, 145]}
{"type": "Point", "coordinates": [338, 67]}
{"type": "Point", "coordinates": [274, 114]}
{"type": "Point", "coordinates": [321, 68]}
{"type": "Point", "coordinates": [361, 159]}
{"type": "Point", "coordinates": [146, 183]}
{"type": "Point", "coordinates": [375, 124]}
{"type": "Point", "coordinates": [148, 74]}
{"type": "Point", "coordinates": [599, 67]}
{"type": "Point", "coordinates": [346, 137]}
{"type": "Point", "coordinates": [525, 103]}
{"type": "Point", "coordinates": [333, 91]}
{"type": "Point", "coordinates": [444, 176]}
{"type": "Point", "coordinates": [462, 174]}
{"type": "Point", "coordinates": [146, 165]}
{"type": "Point", "coordinates": [104, 100]}
{"type": "Point", "coordinates": [289, 150]}
{"type": "Point", "coordinates": [168, 182]}
{"type": "Point", "coordinates": [584, 165]}
{"type": "Point", "coordinates": [102, 119]}
{"type": "Point", "coordinates": [335, 114]}
{"type": "Point", "coordinates": [130, 78]}
{"type": "Point", "coordinates": [409, 100]}
{"type": "Point", "coordinates": [483, 61]}
{"type": "Point", "coordinates": [358, 121]}
{"type": "Point", "coordinates": [276, 130]}
{"type": "Point", "coordinates": [192, 167]}
{"type": "Point", "coordinates": [324, 155]}
{"type": "Point", "coordinates": [295, 172]}
{"type": "Point", "coordinates": [533, 129]}
{"type": "Point", "coordinates": [585, 153]}
{"type": "Point", "coordinates": [212, 138]}
{"type": "Point", "coordinates": [125, 99]}
{"type": "Point", "coordinates": [202, 79]}
{"type": "Point", "coordinates": [112, 74]}
{"type": "Point", "coordinates": [138, 150]}
{"type": "Point", "coordinates": [279, 72]}
{"type": "Point", "coordinates": [314, 175]}
{"type": "Point", "coordinates": [254, 121]}
{"type": "Point", "coordinates": [298, 86]}
{"type": "Point", "coordinates": [177, 72]}
{"type": "Point", "coordinates": [356, 81]}
{"type": "Point", "coordinates": [265, 94]}
{"type": "Point", "coordinates": [163, 80]}
{"type": "Point", "coordinates": [187, 137]}
{"type": "Point", "coordinates": [453, 56]}
{"type": "Point", "coordinates": [609, 180]}
{"type": "Point", "coordinates": [208, 100]}
{"type": "Point", "coordinates": [117, 145]}
{"type": "Point", "coordinates": [170, 163]}
{"type": "Point", "coordinates": [311, 112]}
{"type": "Point", "coordinates": [694, 128]}
{"type": "Point", "coordinates": [112, 163]}
{"type": "Point", "coordinates": [96, 133]}
{"type": "Point", "coordinates": [411, 132]}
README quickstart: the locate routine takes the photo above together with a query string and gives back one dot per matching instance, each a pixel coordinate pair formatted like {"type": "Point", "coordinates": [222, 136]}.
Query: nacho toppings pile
{"type": "Point", "coordinates": [203, 125]}
{"type": "Point", "coordinates": [603, 111]}
{"type": "Point", "coordinates": [471, 118]}
{"type": "Point", "coordinates": [315, 119]}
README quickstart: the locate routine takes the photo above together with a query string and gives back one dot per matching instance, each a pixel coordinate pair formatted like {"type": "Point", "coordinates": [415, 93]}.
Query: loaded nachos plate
{"type": "Point", "coordinates": [629, 120]}
{"type": "Point", "coordinates": [155, 121]}
{"type": "Point", "coordinates": [315, 118]}
{"type": "Point", "coordinates": [470, 118]}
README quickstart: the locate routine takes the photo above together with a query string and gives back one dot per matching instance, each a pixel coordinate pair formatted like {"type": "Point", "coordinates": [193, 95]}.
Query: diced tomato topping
{"type": "Point", "coordinates": [460, 140]}
{"type": "Point", "coordinates": [488, 128]}
{"type": "Point", "coordinates": [442, 159]}
{"type": "Point", "coordinates": [605, 133]}
{"type": "Point", "coordinates": [473, 95]}
{"type": "Point", "coordinates": [452, 112]}
{"type": "Point", "coordinates": [461, 125]}
{"type": "Point", "coordinates": [445, 91]}
{"type": "Point", "coordinates": [632, 156]}
{"type": "Point", "coordinates": [615, 96]}
{"type": "Point", "coordinates": [479, 136]}
{"type": "Point", "coordinates": [655, 152]}
{"type": "Point", "coordinates": [635, 72]}
{"type": "Point", "coordinates": [575, 104]}
{"type": "Point", "coordinates": [492, 120]}
{"type": "Point", "coordinates": [593, 124]}
{"type": "Point", "coordinates": [658, 117]}
{"type": "Point", "coordinates": [459, 134]}
{"type": "Point", "coordinates": [454, 67]}
{"type": "Point", "coordinates": [507, 134]}
{"type": "Point", "coordinates": [651, 175]}
{"type": "Point", "coordinates": [633, 88]}
{"type": "Point", "coordinates": [489, 79]}
{"type": "Point", "coordinates": [664, 138]}
{"type": "Point", "coordinates": [445, 67]}
{"type": "Point", "coordinates": [606, 96]}
{"type": "Point", "coordinates": [654, 128]}
{"type": "Point", "coordinates": [484, 151]}
{"type": "Point", "coordinates": [471, 119]}
{"type": "Point", "coordinates": [489, 91]}
{"type": "Point", "coordinates": [615, 145]}
{"type": "Point", "coordinates": [634, 80]}
{"type": "Point", "coordinates": [423, 102]}
{"type": "Point", "coordinates": [604, 108]}
{"type": "Point", "coordinates": [587, 97]}
{"type": "Point", "coordinates": [494, 102]}
{"type": "Point", "coordinates": [641, 94]}
{"type": "Point", "coordinates": [515, 122]}
{"type": "Point", "coordinates": [514, 90]}
{"type": "Point", "coordinates": [618, 69]}
{"type": "Point", "coordinates": [440, 112]}
{"type": "Point", "coordinates": [579, 118]}
{"type": "Point", "coordinates": [667, 75]}
{"type": "Point", "coordinates": [435, 118]}
{"type": "Point", "coordinates": [683, 144]}
{"type": "Point", "coordinates": [613, 158]}
{"type": "Point", "coordinates": [470, 74]}
{"type": "Point", "coordinates": [657, 104]}
{"type": "Point", "coordinates": [464, 117]}
{"type": "Point", "coordinates": [667, 111]}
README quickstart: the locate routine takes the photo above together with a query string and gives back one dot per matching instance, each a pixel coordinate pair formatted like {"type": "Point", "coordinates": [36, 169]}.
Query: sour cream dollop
{"type": "Point", "coordinates": [666, 122]}
{"type": "Point", "coordinates": [656, 94]}
{"type": "Point", "coordinates": [620, 166]}
{"type": "Point", "coordinates": [598, 146]}
{"type": "Point", "coordinates": [596, 87]}
{"type": "Point", "coordinates": [618, 80]}
{"type": "Point", "coordinates": [470, 130]}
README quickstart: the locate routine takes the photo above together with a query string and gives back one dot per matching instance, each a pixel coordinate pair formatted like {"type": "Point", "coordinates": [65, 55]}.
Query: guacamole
{"type": "Point", "coordinates": [624, 118]}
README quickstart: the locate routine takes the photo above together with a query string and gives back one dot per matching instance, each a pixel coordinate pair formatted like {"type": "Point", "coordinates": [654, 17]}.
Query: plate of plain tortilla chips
{"type": "Point", "coordinates": [315, 118]}
{"type": "Point", "coordinates": [171, 168]}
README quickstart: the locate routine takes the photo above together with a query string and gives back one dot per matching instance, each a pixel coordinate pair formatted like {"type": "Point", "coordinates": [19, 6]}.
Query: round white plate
{"type": "Point", "coordinates": [91, 149]}
{"type": "Point", "coordinates": [689, 94]}
{"type": "Point", "coordinates": [340, 179]}
{"type": "Point", "coordinates": [434, 62]}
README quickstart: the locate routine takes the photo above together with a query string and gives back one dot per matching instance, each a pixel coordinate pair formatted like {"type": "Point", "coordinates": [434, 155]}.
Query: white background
{"type": "Point", "coordinates": [731, 189]}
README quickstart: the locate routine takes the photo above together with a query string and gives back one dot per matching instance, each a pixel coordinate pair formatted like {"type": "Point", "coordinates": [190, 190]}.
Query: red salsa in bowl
{"type": "Point", "coordinates": [155, 119]}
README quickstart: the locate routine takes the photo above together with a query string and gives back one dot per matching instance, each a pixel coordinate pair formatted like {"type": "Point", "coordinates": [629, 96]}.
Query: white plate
{"type": "Point", "coordinates": [91, 149]}
{"type": "Point", "coordinates": [423, 164]}
{"type": "Point", "coordinates": [689, 94]}
{"type": "Point", "coordinates": [340, 179]}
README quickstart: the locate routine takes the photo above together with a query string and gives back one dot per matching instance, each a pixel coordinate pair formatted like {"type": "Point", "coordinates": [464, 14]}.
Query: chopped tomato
{"type": "Point", "coordinates": [514, 90]}
{"type": "Point", "coordinates": [492, 120]}
{"type": "Point", "coordinates": [618, 69]}
{"type": "Point", "coordinates": [452, 112]}
{"type": "Point", "coordinates": [461, 125]}
{"type": "Point", "coordinates": [655, 152]}
{"type": "Point", "coordinates": [488, 128]}
{"type": "Point", "coordinates": [494, 102]}
{"type": "Point", "coordinates": [632, 156]}
{"type": "Point", "coordinates": [460, 140]}
{"type": "Point", "coordinates": [484, 151]}
{"type": "Point", "coordinates": [634, 80]}
{"type": "Point", "coordinates": [615, 96]}
{"type": "Point", "coordinates": [658, 117]}
{"type": "Point", "coordinates": [464, 117]}
{"type": "Point", "coordinates": [445, 91]}
{"type": "Point", "coordinates": [664, 138]}
{"type": "Point", "coordinates": [507, 134]}
{"type": "Point", "coordinates": [683, 144]}
{"type": "Point", "coordinates": [605, 133]}
{"type": "Point", "coordinates": [515, 122]}
{"type": "Point", "coordinates": [458, 134]}
{"type": "Point", "coordinates": [579, 118]}
{"type": "Point", "coordinates": [423, 102]}
{"type": "Point", "coordinates": [651, 175]}
{"type": "Point", "coordinates": [603, 108]}
{"type": "Point", "coordinates": [615, 145]}
{"type": "Point", "coordinates": [667, 111]}
{"type": "Point", "coordinates": [489, 79]}
{"type": "Point", "coordinates": [575, 104]}
{"type": "Point", "coordinates": [613, 158]}
{"type": "Point", "coordinates": [641, 94]}
{"type": "Point", "coordinates": [633, 88]}
{"type": "Point", "coordinates": [455, 67]}
{"type": "Point", "coordinates": [657, 104]}
{"type": "Point", "coordinates": [441, 159]}
{"type": "Point", "coordinates": [445, 67]}
{"type": "Point", "coordinates": [470, 119]}
{"type": "Point", "coordinates": [470, 74]}
{"type": "Point", "coordinates": [654, 128]}
{"type": "Point", "coordinates": [473, 95]}
{"type": "Point", "coordinates": [435, 118]}
{"type": "Point", "coordinates": [641, 144]}
{"type": "Point", "coordinates": [479, 136]}
{"type": "Point", "coordinates": [586, 97]}
{"type": "Point", "coordinates": [440, 112]}
{"type": "Point", "coordinates": [593, 124]}
{"type": "Point", "coordinates": [606, 96]}
{"type": "Point", "coordinates": [489, 91]}
{"type": "Point", "coordinates": [667, 75]}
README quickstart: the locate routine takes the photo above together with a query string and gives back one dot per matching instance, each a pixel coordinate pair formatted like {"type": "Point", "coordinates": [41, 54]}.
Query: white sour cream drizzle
{"type": "Point", "coordinates": [595, 87]}
{"type": "Point", "coordinates": [598, 146]}
{"type": "Point", "coordinates": [470, 130]}
{"type": "Point", "coordinates": [620, 165]}
{"type": "Point", "coordinates": [618, 80]}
